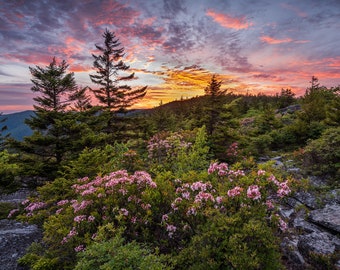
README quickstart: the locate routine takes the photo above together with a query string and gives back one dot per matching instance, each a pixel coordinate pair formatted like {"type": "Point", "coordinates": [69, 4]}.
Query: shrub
{"type": "Point", "coordinates": [322, 156]}
{"type": "Point", "coordinates": [117, 254]}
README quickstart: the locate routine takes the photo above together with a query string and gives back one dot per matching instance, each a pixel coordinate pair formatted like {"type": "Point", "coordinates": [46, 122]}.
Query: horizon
{"type": "Point", "coordinates": [173, 46]}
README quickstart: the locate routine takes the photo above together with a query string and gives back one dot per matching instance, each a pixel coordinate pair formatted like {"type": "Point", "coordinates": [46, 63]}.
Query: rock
{"type": "Point", "coordinates": [320, 243]}
{"type": "Point", "coordinates": [289, 109]}
{"type": "Point", "coordinates": [317, 244]}
{"type": "Point", "coordinates": [16, 197]}
{"type": "Point", "coordinates": [286, 212]}
{"type": "Point", "coordinates": [293, 257]}
{"type": "Point", "coordinates": [327, 217]}
{"type": "Point", "coordinates": [15, 238]}
{"type": "Point", "coordinates": [307, 199]}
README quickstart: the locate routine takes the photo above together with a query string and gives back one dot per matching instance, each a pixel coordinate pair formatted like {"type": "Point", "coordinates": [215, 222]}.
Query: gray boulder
{"type": "Point", "coordinates": [327, 217]}
{"type": "Point", "coordinates": [15, 238]}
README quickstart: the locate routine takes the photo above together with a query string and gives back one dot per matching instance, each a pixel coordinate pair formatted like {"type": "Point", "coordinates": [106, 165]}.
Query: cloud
{"type": "Point", "coordinates": [271, 40]}
{"type": "Point", "coordinates": [228, 21]}
{"type": "Point", "coordinates": [295, 9]}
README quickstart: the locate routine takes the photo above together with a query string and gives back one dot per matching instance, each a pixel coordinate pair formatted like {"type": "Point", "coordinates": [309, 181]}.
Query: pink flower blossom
{"type": "Point", "coordinates": [25, 202]}
{"type": "Point", "coordinates": [219, 199]}
{"type": "Point", "coordinates": [145, 206]}
{"type": "Point", "coordinates": [235, 191]}
{"type": "Point", "coordinates": [165, 217]}
{"type": "Point", "coordinates": [283, 190]}
{"type": "Point", "coordinates": [253, 192]}
{"type": "Point", "coordinates": [261, 172]}
{"type": "Point", "coordinates": [269, 204]}
{"type": "Point", "coordinates": [80, 218]}
{"type": "Point", "coordinates": [62, 202]}
{"type": "Point", "coordinates": [12, 212]}
{"type": "Point", "coordinates": [186, 195]}
{"type": "Point", "coordinates": [79, 248]}
{"type": "Point", "coordinates": [35, 206]}
{"type": "Point", "coordinates": [171, 229]}
{"type": "Point", "coordinates": [124, 212]}
{"type": "Point", "coordinates": [204, 197]}
{"type": "Point", "coordinates": [273, 179]}
{"type": "Point", "coordinates": [80, 206]}
{"type": "Point", "coordinates": [191, 211]}
{"type": "Point", "coordinates": [91, 218]}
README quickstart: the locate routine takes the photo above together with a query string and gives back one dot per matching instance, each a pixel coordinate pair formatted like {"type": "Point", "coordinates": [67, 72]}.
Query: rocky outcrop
{"type": "Point", "coordinates": [15, 238]}
{"type": "Point", "coordinates": [313, 241]}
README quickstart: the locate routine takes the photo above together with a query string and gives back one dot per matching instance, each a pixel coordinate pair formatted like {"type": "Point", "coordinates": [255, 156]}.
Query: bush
{"type": "Point", "coordinates": [8, 171]}
{"type": "Point", "coordinates": [117, 254]}
{"type": "Point", "coordinates": [321, 156]}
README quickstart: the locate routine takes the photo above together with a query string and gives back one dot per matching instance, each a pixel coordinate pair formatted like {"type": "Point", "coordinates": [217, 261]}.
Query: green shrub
{"type": "Point", "coordinates": [321, 156]}
{"type": "Point", "coordinates": [117, 254]}
{"type": "Point", "coordinates": [8, 171]}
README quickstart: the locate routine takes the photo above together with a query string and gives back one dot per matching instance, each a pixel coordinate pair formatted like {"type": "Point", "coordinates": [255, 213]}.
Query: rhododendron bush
{"type": "Point", "coordinates": [221, 217]}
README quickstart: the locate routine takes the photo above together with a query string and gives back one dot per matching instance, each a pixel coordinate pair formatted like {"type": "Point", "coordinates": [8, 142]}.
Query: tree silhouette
{"type": "Point", "coordinates": [55, 127]}
{"type": "Point", "coordinates": [108, 64]}
{"type": "Point", "coordinates": [214, 93]}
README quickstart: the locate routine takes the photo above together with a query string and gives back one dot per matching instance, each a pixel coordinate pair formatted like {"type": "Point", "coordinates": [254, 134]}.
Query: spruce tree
{"type": "Point", "coordinates": [113, 94]}
{"type": "Point", "coordinates": [55, 127]}
{"type": "Point", "coordinates": [213, 92]}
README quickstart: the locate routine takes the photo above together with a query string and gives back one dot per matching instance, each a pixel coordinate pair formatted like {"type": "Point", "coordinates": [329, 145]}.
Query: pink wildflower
{"type": "Point", "coordinates": [80, 218]}
{"type": "Point", "coordinates": [12, 212]}
{"type": "Point", "coordinates": [269, 204]}
{"type": "Point", "coordinates": [283, 190]}
{"type": "Point", "coordinates": [171, 229]}
{"type": "Point", "coordinates": [273, 179]}
{"type": "Point", "coordinates": [79, 248]}
{"type": "Point", "coordinates": [235, 191]}
{"type": "Point", "coordinates": [91, 218]}
{"type": "Point", "coordinates": [253, 192]}
{"type": "Point", "coordinates": [261, 172]}
{"type": "Point", "coordinates": [62, 202]}
{"type": "Point", "coordinates": [219, 199]}
{"type": "Point", "coordinates": [192, 211]}
{"type": "Point", "coordinates": [165, 217]}
{"type": "Point", "coordinates": [124, 212]}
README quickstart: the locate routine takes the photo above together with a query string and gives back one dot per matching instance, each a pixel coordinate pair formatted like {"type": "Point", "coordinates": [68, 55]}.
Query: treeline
{"type": "Point", "coordinates": [174, 187]}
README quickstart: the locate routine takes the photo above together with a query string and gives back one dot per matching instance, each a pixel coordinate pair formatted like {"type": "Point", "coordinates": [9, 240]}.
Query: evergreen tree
{"type": "Point", "coordinates": [56, 129]}
{"type": "Point", "coordinates": [112, 95]}
{"type": "Point", "coordinates": [82, 101]}
{"type": "Point", "coordinates": [214, 92]}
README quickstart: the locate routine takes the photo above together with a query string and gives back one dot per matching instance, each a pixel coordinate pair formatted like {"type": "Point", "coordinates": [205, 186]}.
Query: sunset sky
{"type": "Point", "coordinates": [174, 46]}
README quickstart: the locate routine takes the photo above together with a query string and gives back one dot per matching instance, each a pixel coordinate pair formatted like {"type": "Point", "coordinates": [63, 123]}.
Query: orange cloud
{"type": "Point", "coordinates": [228, 21]}
{"type": "Point", "coordinates": [271, 40]}
{"type": "Point", "coordinates": [182, 82]}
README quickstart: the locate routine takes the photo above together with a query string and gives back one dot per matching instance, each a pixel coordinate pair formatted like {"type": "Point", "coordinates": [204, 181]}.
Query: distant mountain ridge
{"type": "Point", "coordinates": [16, 126]}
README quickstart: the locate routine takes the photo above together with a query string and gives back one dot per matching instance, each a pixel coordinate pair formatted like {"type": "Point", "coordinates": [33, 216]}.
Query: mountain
{"type": "Point", "coordinates": [16, 126]}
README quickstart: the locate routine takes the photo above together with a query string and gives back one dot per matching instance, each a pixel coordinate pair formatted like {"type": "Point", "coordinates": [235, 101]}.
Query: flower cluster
{"type": "Point", "coordinates": [33, 206]}
{"type": "Point", "coordinates": [162, 145]}
{"type": "Point", "coordinates": [235, 191]}
{"type": "Point", "coordinates": [106, 198]}
{"type": "Point", "coordinates": [223, 169]}
{"type": "Point", "coordinates": [232, 150]}
{"type": "Point", "coordinates": [253, 192]}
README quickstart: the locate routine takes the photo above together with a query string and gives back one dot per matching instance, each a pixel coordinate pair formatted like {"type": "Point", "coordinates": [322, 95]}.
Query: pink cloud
{"type": "Point", "coordinates": [294, 9]}
{"type": "Point", "coordinates": [228, 21]}
{"type": "Point", "coordinates": [271, 40]}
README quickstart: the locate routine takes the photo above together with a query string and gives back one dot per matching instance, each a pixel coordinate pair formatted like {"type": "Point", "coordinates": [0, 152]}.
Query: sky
{"type": "Point", "coordinates": [174, 46]}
